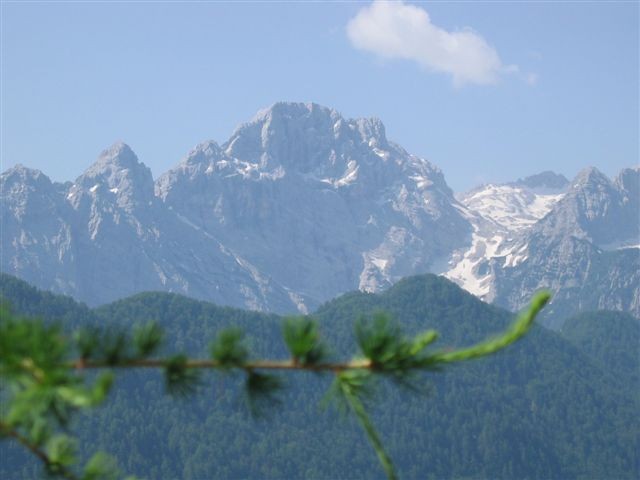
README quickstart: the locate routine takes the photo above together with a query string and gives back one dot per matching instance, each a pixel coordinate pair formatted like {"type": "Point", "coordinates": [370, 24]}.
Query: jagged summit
{"type": "Point", "coordinates": [292, 110]}
{"type": "Point", "coordinates": [283, 115]}
{"type": "Point", "coordinates": [317, 116]}
{"type": "Point", "coordinates": [303, 137]}
{"type": "Point", "coordinates": [118, 150]}
{"type": "Point", "coordinates": [118, 171]}
{"type": "Point", "coordinates": [309, 143]}
{"type": "Point", "coordinates": [118, 156]}
{"type": "Point", "coordinates": [589, 176]}
{"type": "Point", "coordinates": [628, 180]}
{"type": "Point", "coordinates": [24, 189]}
{"type": "Point", "coordinates": [20, 169]}
{"type": "Point", "coordinates": [19, 174]}
{"type": "Point", "coordinates": [203, 151]}
{"type": "Point", "coordinates": [546, 179]}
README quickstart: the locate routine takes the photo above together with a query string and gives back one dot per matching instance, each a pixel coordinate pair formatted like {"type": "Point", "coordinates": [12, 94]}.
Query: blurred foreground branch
{"type": "Point", "coordinates": [42, 382]}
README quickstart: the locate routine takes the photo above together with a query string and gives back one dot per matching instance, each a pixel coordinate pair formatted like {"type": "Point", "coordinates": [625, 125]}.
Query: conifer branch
{"type": "Point", "coordinates": [34, 357]}
{"type": "Point", "coordinates": [49, 464]}
{"type": "Point", "coordinates": [290, 364]}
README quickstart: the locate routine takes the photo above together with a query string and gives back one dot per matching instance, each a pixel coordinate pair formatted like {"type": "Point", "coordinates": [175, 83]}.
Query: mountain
{"type": "Point", "coordinates": [546, 407]}
{"type": "Point", "coordinates": [610, 339]}
{"type": "Point", "coordinates": [546, 181]}
{"type": "Point", "coordinates": [499, 213]}
{"type": "Point", "coordinates": [586, 250]}
{"type": "Point", "coordinates": [300, 205]}
{"type": "Point", "coordinates": [107, 235]}
{"type": "Point", "coordinates": [322, 203]}
{"type": "Point", "coordinates": [580, 239]}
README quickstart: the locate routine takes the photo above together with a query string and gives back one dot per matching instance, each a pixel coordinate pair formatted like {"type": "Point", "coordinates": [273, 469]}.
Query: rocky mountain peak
{"type": "Point", "coordinates": [545, 180]}
{"type": "Point", "coordinates": [203, 153]}
{"type": "Point", "coordinates": [592, 197]}
{"type": "Point", "coordinates": [302, 137]}
{"type": "Point", "coordinates": [372, 131]}
{"type": "Point", "coordinates": [26, 193]}
{"type": "Point", "coordinates": [296, 111]}
{"type": "Point", "coordinates": [118, 171]}
{"type": "Point", "coordinates": [628, 181]}
{"type": "Point", "coordinates": [199, 162]}
{"type": "Point", "coordinates": [201, 158]}
{"type": "Point", "coordinates": [19, 174]}
{"type": "Point", "coordinates": [590, 177]}
{"type": "Point", "coordinates": [120, 152]}
{"type": "Point", "coordinates": [23, 189]}
{"type": "Point", "coordinates": [117, 157]}
{"type": "Point", "coordinates": [596, 209]}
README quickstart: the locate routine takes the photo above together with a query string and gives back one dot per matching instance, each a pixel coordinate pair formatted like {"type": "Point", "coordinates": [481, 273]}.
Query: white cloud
{"type": "Point", "coordinates": [393, 29]}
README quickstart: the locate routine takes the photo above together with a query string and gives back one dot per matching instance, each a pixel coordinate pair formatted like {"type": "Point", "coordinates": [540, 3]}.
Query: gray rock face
{"type": "Point", "coordinates": [544, 181]}
{"type": "Point", "coordinates": [107, 236]}
{"type": "Point", "coordinates": [581, 240]}
{"type": "Point", "coordinates": [37, 241]}
{"type": "Point", "coordinates": [586, 250]}
{"type": "Point", "coordinates": [298, 206]}
{"type": "Point", "coordinates": [322, 203]}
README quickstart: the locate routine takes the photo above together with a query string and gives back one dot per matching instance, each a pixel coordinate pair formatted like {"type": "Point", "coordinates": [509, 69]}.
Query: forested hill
{"type": "Point", "coordinates": [545, 408]}
{"type": "Point", "coordinates": [611, 339]}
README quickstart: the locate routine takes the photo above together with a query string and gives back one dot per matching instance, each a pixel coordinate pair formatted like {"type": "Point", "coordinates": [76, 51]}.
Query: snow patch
{"type": "Point", "coordinates": [350, 175]}
{"type": "Point", "coordinates": [276, 174]}
{"type": "Point", "coordinates": [465, 269]}
{"type": "Point", "coordinates": [514, 208]}
{"type": "Point", "coordinates": [298, 301]}
{"type": "Point", "coordinates": [381, 153]}
{"type": "Point", "coordinates": [515, 259]}
{"type": "Point", "coordinates": [381, 263]}
{"type": "Point", "coordinates": [421, 181]}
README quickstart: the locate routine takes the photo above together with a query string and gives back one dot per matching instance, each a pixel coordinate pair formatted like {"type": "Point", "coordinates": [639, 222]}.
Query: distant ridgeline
{"type": "Point", "coordinates": [554, 406]}
{"type": "Point", "coordinates": [301, 205]}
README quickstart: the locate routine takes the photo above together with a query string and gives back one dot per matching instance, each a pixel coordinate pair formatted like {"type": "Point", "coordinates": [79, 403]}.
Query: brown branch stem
{"type": "Point", "coordinates": [38, 452]}
{"type": "Point", "coordinates": [337, 367]}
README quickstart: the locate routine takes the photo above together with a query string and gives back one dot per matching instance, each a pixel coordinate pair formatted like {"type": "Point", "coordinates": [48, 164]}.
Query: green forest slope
{"type": "Point", "coordinates": [611, 339]}
{"type": "Point", "coordinates": [552, 406]}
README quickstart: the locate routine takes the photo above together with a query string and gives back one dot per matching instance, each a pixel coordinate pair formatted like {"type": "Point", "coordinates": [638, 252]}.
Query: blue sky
{"type": "Point", "coordinates": [486, 91]}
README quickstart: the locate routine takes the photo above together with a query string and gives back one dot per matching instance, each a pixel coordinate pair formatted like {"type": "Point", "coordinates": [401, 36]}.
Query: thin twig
{"type": "Point", "coordinates": [38, 452]}
{"type": "Point", "coordinates": [212, 364]}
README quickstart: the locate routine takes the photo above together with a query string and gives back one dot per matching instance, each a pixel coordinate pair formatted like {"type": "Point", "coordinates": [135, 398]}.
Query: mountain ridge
{"type": "Point", "coordinates": [299, 205]}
